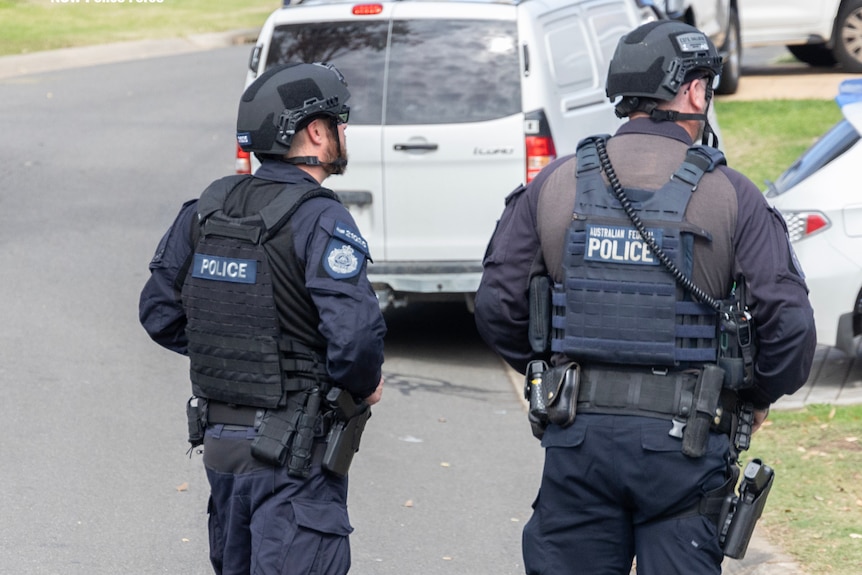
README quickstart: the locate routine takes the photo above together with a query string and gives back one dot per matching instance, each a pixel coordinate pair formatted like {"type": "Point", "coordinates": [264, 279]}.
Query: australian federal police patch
{"type": "Point", "coordinates": [619, 245]}
{"type": "Point", "coordinates": [345, 253]}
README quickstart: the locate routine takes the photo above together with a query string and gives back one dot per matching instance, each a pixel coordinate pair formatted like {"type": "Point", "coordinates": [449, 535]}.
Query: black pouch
{"type": "Point", "coordinates": [561, 393]}
{"type": "Point", "coordinates": [196, 412]}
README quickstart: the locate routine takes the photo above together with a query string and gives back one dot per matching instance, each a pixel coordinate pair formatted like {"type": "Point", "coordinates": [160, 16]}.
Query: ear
{"type": "Point", "coordinates": [316, 131]}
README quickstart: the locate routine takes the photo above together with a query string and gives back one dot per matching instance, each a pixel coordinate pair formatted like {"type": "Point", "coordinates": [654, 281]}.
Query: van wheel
{"type": "Point", "coordinates": [817, 55]}
{"type": "Point", "coordinates": [848, 36]}
{"type": "Point", "coordinates": [732, 67]}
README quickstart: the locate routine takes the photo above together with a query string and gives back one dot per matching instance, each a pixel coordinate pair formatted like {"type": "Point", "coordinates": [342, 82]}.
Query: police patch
{"type": "Point", "coordinates": [620, 245]}
{"type": "Point", "coordinates": [224, 269]}
{"type": "Point", "coordinates": [340, 261]}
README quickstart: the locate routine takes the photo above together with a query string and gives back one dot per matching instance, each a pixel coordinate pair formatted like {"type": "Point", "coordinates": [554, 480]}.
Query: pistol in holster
{"type": "Point", "coordinates": [740, 513]}
{"type": "Point", "coordinates": [345, 434]}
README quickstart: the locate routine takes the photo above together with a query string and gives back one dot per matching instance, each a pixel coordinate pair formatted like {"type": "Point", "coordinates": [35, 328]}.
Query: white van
{"type": "Point", "coordinates": [454, 103]}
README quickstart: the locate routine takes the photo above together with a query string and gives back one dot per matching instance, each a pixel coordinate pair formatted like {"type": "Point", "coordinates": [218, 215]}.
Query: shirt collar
{"type": "Point", "coordinates": [282, 172]}
{"type": "Point", "coordinates": [649, 126]}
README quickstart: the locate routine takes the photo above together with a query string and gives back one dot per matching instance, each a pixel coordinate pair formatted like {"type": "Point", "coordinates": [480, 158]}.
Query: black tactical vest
{"type": "Point", "coordinates": [237, 351]}
{"type": "Point", "coordinates": [618, 303]}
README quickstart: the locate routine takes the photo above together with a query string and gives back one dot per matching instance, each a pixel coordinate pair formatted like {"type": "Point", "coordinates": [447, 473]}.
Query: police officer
{"type": "Point", "coordinates": [645, 389]}
{"type": "Point", "coordinates": [262, 283]}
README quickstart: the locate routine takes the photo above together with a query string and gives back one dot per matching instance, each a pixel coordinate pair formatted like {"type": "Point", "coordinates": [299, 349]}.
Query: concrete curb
{"type": "Point", "coordinates": [39, 62]}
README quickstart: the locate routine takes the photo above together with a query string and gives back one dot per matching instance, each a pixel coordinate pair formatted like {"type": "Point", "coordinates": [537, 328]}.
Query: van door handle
{"type": "Point", "coordinates": [408, 147]}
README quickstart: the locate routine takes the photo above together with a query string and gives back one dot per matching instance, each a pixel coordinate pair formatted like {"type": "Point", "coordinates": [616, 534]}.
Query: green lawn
{"type": "Point", "coordinates": [36, 25]}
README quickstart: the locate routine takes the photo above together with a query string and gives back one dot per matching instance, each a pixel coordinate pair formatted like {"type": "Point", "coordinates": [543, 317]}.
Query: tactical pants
{"type": "Point", "coordinates": [264, 522]}
{"type": "Point", "coordinates": [616, 486]}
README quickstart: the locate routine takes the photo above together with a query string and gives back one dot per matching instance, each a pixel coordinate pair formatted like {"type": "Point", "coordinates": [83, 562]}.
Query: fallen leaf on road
{"type": "Point", "coordinates": [445, 464]}
{"type": "Point", "coordinates": [183, 487]}
{"type": "Point", "coordinates": [408, 503]}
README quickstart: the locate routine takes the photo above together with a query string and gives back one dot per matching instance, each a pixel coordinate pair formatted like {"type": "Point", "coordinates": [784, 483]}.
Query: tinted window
{"type": "Point", "coordinates": [440, 71]}
{"type": "Point", "coordinates": [834, 143]}
{"type": "Point", "coordinates": [356, 48]}
{"type": "Point", "coordinates": [453, 71]}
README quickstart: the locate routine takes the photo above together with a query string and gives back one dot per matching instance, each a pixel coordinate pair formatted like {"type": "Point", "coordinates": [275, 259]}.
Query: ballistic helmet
{"type": "Point", "coordinates": [283, 100]}
{"type": "Point", "coordinates": [654, 60]}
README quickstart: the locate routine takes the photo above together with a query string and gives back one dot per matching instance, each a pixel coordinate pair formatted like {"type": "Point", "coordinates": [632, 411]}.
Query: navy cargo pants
{"type": "Point", "coordinates": [616, 486]}
{"type": "Point", "coordinates": [264, 522]}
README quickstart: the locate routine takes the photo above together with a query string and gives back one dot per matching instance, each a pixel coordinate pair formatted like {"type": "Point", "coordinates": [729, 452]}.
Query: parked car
{"type": "Point", "coordinates": [454, 103]}
{"type": "Point", "coordinates": [718, 19]}
{"type": "Point", "coordinates": [819, 197]}
{"type": "Point", "coordinates": [817, 32]}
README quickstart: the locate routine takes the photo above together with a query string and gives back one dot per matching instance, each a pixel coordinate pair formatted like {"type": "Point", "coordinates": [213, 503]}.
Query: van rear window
{"type": "Point", "coordinates": [440, 71]}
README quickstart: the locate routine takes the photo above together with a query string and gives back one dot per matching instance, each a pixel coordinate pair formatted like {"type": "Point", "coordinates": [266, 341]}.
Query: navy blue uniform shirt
{"type": "Point", "coordinates": [350, 321]}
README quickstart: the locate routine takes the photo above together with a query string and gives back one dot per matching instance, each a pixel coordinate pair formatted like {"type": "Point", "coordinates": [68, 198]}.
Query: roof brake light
{"type": "Point", "coordinates": [367, 9]}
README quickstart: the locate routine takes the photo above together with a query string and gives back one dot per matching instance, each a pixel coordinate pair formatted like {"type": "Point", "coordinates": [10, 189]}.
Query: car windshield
{"type": "Point", "coordinates": [440, 71]}
{"type": "Point", "coordinates": [835, 142]}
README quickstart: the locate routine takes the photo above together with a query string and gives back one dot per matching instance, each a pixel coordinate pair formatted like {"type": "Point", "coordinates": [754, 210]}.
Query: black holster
{"type": "Point", "coordinates": [561, 385]}
{"type": "Point", "coordinates": [346, 432]}
{"type": "Point", "coordinates": [740, 513]}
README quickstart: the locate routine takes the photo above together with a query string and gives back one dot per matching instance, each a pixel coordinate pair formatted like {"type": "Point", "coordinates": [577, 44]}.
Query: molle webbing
{"type": "Point", "coordinates": [617, 303]}
{"type": "Point", "coordinates": [236, 345]}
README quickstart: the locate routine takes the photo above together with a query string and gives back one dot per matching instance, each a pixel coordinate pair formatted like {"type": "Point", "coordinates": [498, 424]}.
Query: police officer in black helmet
{"type": "Point", "coordinates": [262, 283]}
{"type": "Point", "coordinates": [676, 313]}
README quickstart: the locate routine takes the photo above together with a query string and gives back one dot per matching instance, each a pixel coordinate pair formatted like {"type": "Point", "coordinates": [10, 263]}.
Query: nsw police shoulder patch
{"type": "Point", "coordinates": [345, 254]}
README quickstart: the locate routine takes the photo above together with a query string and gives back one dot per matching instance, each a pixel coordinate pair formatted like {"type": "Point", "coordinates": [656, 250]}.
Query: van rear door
{"type": "Point", "coordinates": [453, 137]}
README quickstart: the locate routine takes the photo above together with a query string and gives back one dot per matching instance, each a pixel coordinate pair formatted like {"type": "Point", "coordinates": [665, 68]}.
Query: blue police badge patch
{"type": "Point", "coordinates": [345, 253]}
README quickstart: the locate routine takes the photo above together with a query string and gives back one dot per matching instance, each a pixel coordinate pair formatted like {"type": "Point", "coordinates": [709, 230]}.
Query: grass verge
{"type": "Point", "coordinates": [36, 25]}
{"type": "Point", "coordinates": [814, 511]}
{"type": "Point", "coordinates": [762, 138]}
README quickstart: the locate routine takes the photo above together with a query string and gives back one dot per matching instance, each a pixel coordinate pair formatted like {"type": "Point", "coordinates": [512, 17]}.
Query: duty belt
{"type": "Point", "coordinates": [230, 414]}
{"type": "Point", "coordinates": [639, 391]}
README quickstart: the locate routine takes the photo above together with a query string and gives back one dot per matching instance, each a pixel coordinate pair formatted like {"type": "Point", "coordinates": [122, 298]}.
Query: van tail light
{"type": "Point", "coordinates": [243, 161]}
{"type": "Point", "coordinates": [538, 143]}
{"type": "Point", "coordinates": [800, 225]}
{"type": "Point", "coordinates": [540, 153]}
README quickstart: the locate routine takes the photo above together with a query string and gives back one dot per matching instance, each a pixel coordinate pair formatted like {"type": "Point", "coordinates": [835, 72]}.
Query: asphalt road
{"type": "Point", "coordinates": [95, 477]}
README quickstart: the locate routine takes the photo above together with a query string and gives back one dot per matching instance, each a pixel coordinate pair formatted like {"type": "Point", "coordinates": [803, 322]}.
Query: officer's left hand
{"type": "Point", "coordinates": [378, 393]}
{"type": "Point", "coordinates": [760, 416]}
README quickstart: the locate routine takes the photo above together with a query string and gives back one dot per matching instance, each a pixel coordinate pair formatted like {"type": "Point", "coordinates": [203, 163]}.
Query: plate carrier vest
{"type": "Point", "coordinates": [618, 304]}
{"type": "Point", "coordinates": [237, 350]}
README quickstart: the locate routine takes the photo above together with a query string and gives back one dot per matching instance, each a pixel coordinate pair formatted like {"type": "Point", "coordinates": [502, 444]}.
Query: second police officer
{"type": "Point", "coordinates": [262, 283]}
{"type": "Point", "coordinates": [661, 261]}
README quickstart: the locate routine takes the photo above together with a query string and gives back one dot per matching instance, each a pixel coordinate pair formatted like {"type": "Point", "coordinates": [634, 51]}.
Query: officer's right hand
{"type": "Point", "coordinates": [378, 393]}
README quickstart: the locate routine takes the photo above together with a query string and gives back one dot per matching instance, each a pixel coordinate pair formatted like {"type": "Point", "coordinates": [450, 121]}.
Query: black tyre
{"type": "Point", "coordinates": [817, 55]}
{"type": "Point", "coordinates": [848, 36]}
{"type": "Point", "coordinates": [732, 50]}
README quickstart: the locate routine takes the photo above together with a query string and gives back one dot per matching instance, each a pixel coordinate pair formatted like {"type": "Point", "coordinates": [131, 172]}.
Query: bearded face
{"type": "Point", "coordinates": [336, 152]}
